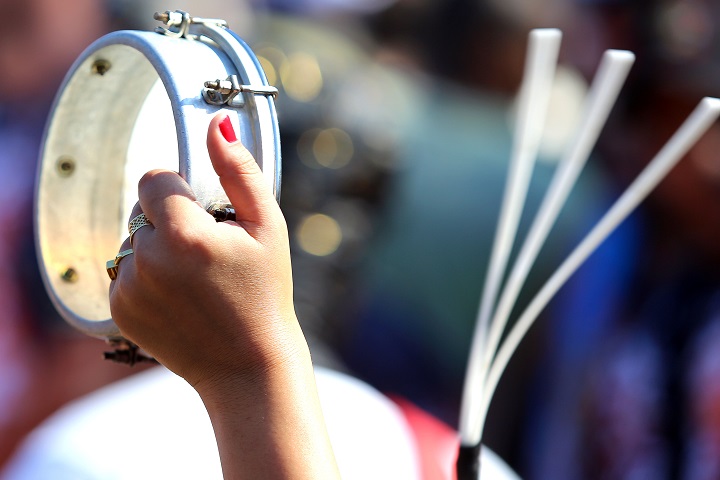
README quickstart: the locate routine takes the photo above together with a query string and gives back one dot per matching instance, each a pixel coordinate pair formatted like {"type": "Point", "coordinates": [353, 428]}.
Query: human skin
{"type": "Point", "coordinates": [213, 302]}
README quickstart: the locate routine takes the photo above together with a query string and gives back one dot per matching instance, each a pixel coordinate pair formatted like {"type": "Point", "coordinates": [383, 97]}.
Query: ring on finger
{"type": "Point", "coordinates": [136, 223]}
{"type": "Point", "coordinates": [112, 265]}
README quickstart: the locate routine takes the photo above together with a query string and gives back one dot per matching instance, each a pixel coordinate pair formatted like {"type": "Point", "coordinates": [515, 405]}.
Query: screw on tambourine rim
{"type": "Point", "coordinates": [100, 67]}
{"type": "Point", "coordinates": [65, 166]}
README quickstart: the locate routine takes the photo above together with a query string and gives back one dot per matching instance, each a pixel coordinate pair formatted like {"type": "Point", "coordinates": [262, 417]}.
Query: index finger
{"type": "Point", "coordinates": [167, 200]}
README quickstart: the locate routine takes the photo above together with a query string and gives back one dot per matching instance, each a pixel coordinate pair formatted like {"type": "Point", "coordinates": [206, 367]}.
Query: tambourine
{"type": "Point", "coordinates": [134, 101]}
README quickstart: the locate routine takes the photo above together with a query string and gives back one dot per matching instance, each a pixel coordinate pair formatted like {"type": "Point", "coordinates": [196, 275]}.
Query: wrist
{"type": "Point", "coordinates": [274, 419]}
{"type": "Point", "coordinates": [275, 359]}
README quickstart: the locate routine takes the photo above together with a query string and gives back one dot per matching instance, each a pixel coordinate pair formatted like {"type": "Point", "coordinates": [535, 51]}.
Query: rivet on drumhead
{"type": "Point", "coordinates": [100, 66]}
{"type": "Point", "coordinates": [70, 275]}
{"type": "Point", "coordinates": [65, 166]}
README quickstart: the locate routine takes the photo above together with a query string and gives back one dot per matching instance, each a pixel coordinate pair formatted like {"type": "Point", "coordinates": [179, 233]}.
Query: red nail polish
{"type": "Point", "coordinates": [227, 130]}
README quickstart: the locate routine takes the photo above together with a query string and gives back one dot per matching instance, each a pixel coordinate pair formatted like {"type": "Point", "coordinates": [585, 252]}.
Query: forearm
{"type": "Point", "coordinates": [270, 425]}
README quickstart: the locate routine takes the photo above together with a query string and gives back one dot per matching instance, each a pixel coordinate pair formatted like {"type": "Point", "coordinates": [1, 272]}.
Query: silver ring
{"type": "Point", "coordinates": [136, 223]}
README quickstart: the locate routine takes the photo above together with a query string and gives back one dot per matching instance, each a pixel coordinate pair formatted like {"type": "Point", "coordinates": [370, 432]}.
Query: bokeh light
{"type": "Point", "coordinates": [319, 234]}
{"type": "Point", "coordinates": [301, 77]}
{"type": "Point", "coordinates": [329, 148]}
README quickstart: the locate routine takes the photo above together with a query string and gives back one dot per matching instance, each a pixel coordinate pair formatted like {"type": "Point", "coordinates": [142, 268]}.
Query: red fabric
{"type": "Point", "coordinates": [437, 443]}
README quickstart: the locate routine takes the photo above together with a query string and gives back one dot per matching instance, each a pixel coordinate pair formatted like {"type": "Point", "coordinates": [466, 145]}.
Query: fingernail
{"type": "Point", "coordinates": [227, 130]}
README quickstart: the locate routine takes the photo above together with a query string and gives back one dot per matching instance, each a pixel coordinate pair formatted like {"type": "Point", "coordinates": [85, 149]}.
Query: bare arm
{"type": "Point", "coordinates": [213, 302]}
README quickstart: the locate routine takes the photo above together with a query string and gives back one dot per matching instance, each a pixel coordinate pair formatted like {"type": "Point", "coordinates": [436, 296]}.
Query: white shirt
{"type": "Point", "coordinates": [153, 425]}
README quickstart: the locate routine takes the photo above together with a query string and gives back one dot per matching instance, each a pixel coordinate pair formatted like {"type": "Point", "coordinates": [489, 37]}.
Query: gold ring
{"type": "Point", "coordinates": [112, 265]}
{"type": "Point", "coordinates": [136, 223]}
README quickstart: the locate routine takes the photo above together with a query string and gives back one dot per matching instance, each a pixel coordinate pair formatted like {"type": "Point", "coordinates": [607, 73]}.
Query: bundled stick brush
{"type": "Point", "coordinates": [488, 355]}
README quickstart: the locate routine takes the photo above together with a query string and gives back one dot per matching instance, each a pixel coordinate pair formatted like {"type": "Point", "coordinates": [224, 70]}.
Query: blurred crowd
{"type": "Point", "coordinates": [396, 119]}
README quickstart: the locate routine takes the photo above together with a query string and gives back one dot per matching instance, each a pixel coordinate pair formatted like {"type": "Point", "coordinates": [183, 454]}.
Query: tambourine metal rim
{"type": "Point", "coordinates": [79, 220]}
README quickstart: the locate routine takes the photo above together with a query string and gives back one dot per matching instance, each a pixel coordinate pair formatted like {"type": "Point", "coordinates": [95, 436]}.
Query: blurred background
{"type": "Point", "coordinates": [396, 119]}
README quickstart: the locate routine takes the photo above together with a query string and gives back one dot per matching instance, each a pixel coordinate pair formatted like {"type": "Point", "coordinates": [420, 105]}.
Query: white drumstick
{"type": "Point", "coordinates": [534, 97]}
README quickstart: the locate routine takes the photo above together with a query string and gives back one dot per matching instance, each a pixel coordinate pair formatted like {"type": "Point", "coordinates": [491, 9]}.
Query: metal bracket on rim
{"type": "Point", "coordinates": [219, 92]}
{"type": "Point", "coordinates": [124, 351]}
{"type": "Point", "coordinates": [181, 21]}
